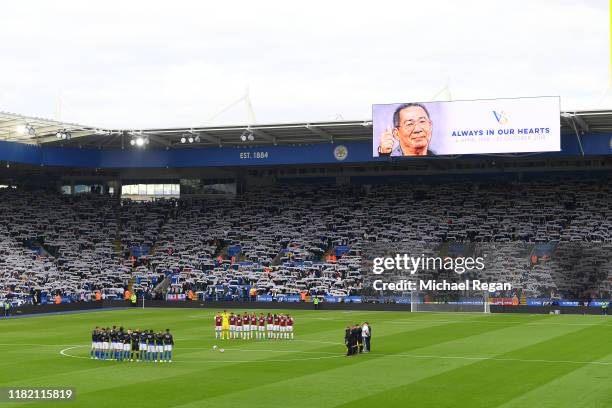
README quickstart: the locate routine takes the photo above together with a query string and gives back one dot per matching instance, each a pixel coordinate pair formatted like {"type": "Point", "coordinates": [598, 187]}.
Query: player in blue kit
{"type": "Point", "coordinates": [168, 344]}
{"type": "Point", "coordinates": [121, 345]}
{"type": "Point", "coordinates": [150, 345]}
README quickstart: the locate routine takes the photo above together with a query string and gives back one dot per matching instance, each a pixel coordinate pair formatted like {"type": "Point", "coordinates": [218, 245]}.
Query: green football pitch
{"type": "Point", "coordinates": [417, 360]}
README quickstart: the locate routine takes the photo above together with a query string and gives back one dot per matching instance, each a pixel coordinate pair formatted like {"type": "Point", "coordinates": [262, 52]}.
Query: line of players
{"type": "Point", "coordinates": [251, 326]}
{"type": "Point", "coordinates": [120, 345]}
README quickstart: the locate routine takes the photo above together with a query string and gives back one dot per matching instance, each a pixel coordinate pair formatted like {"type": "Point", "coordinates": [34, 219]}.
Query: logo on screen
{"type": "Point", "coordinates": [340, 152]}
{"type": "Point", "coordinates": [501, 117]}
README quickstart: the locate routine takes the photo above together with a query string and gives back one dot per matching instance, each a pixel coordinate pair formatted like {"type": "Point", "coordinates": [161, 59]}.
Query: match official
{"type": "Point", "coordinates": [315, 302]}
{"type": "Point", "coordinates": [365, 334]}
{"type": "Point", "coordinates": [347, 340]}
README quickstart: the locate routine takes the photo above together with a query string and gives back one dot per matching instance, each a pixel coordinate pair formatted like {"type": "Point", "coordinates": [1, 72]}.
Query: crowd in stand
{"type": "Point", "coordinates": [292, 240]}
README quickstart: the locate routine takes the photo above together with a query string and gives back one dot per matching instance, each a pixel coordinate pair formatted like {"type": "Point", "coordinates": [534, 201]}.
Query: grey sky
{"type": "Point", "coordinates": [177, 63]}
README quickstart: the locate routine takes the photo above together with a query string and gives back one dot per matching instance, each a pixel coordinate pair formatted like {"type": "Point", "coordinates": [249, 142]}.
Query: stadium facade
{"type": "Point", "coordinates": [295, 211]}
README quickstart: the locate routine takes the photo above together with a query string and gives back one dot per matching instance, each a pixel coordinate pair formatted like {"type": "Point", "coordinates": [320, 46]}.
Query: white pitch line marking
{"type": "Point", "coordinates": [37, 345]}
{"type": "Point", "coordinates": [258, 350]}
{"type": "Point", "coordinates": [63, 352]}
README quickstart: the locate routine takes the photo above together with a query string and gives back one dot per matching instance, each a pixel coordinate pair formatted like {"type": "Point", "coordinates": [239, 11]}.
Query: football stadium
{"type": "Point", "coordinates": [453, 251]}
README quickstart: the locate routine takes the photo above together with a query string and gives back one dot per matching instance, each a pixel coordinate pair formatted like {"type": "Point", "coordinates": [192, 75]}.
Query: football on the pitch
{"type": "Point", "coordinates": [214, 347]}
{"type": "Point", "coordinates": [222, 350]}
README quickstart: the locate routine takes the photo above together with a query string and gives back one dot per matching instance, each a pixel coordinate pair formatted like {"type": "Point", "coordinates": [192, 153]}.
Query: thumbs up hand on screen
{"type": "Point", "coordinates": [387, 140]}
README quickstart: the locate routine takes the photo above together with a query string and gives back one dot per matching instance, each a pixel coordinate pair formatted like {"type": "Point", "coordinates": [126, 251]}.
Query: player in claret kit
{"type": "Point", "coordinates": [276, 327]}
{"type": "Point", "coordinates": [238, 326]}
{"type": "Point", "coordinates": [232, 326]}
{"type": "Point", "coordinates": [246, 326]}
{"type": "Point", "coordinates": [218, 326]}
{"type": "Point", "coordinates": [270, 326]}
{"type": "Point", "coordinates": [290, 327]}
{"type": "Point", "coordinates": [283, 327]}
{"type": "Point", "coordinates": [253, 325]}
{"type": "Point", "coordinates": [261, 333]}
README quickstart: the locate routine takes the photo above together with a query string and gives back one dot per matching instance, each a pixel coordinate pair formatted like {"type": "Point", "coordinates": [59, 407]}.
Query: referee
{"type": "Point", "coordinates": [347, 340]}
{"type": "Point", "coordinates": [366, 334]}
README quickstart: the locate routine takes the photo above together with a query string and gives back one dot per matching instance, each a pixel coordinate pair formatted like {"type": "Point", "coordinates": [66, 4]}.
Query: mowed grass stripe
{"type": "Point", "coordinates": [490, 383]}
{"type": "Point", "coordinates": [376, 372]}
{"type": "Point", "coordinates": [227, 372]}
{"type": "Point", "coordinates": [590, 382]}
{"type": "Point", "coordinates": [62, 327]}
{"type": "Point", "coordinates": [350, 367]}
{"type": "Point", "coordinates": [198, 334]}
{"type": "Point", "coordinates": [229, 378]}
{"type": "Point", "coordinates": [52, 374]}
{"type": "Point", "coordinates": [237, 384]}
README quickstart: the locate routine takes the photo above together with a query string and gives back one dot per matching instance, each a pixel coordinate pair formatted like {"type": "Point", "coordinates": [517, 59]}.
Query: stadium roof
{"type": "Point", "coordinates": [33, 130]}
